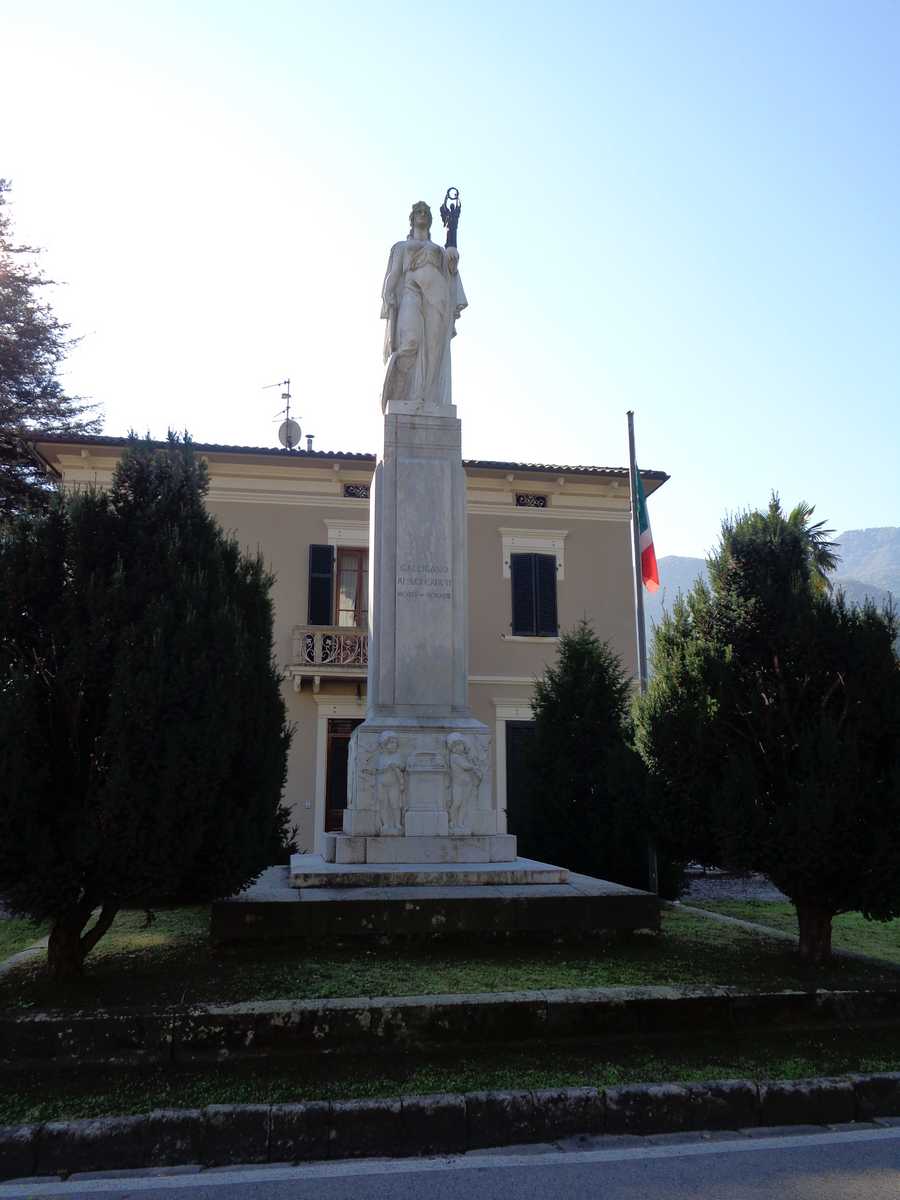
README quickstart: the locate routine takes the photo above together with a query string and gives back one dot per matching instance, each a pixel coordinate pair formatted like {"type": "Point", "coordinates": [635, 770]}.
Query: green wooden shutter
{"type": "Point", "coordinates": [533, 595]}
{"type": "Point", "coordinates": [521, 568]}
{"type": "Point", "coordinates": [320, 609]}
{"type": "Point", "coordinates": [546, 621]}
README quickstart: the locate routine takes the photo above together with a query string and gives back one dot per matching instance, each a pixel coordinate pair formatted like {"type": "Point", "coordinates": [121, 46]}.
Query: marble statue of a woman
{"type": "Point", "coordinates": [422, 297]}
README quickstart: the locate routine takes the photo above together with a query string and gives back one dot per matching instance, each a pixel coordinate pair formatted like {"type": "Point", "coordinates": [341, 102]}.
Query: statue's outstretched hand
{"type": "Point", "coordinates": [452, 259]}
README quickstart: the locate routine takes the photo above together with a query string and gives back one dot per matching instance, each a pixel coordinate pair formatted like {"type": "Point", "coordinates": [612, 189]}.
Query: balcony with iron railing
{"type": "Point", "coordinates": [328, 651]}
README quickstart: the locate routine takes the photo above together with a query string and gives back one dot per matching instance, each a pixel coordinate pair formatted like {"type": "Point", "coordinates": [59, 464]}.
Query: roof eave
{"type": "Point", "coordinates": [311, 456]}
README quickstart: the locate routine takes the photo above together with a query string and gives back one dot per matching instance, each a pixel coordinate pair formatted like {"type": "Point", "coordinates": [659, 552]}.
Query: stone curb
{"type": "Point", "coordinates": [372, 1025]}
{"type": "Point", "coordinates": [21, 956]}
{"type": "Point", "coordinates": [415, 1126]}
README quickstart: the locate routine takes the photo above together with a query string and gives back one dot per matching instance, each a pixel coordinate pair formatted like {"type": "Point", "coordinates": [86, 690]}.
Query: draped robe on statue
{"type": "Point", "coordinates": [421, 300]}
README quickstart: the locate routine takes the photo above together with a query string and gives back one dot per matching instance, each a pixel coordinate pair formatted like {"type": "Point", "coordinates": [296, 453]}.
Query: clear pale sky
{"type": "Point", "coordinates": [688, 209]}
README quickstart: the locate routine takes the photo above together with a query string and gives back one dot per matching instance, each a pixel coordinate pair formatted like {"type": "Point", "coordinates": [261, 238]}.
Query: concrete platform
{"type": "Point", "coordinates": [314, 871]}
{"type": "Point", "coordinates": [580, 909]}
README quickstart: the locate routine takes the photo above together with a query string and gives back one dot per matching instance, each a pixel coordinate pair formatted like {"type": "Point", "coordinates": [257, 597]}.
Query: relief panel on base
{"type": "Point", "coordinates": [417, 782]}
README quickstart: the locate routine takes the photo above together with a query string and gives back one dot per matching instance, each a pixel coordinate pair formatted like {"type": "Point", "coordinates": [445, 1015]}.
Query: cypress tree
{"type": "Point", "coordinates": [587, 793]}
{"type": "Point", "coordinates": [143, 740]}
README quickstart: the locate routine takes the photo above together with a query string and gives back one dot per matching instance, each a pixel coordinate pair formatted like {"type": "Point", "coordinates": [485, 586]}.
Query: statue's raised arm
{"type": "Point", "coordinates": [422, 298]}
{"type": "Point", "coordinates": [451, 211]}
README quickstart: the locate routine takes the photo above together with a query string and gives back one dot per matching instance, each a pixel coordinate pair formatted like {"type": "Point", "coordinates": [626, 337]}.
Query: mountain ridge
{"type": "Point", "coordinates": [869, 566]}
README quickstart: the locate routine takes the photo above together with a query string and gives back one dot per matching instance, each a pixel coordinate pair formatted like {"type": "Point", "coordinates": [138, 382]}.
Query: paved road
{"type": "Point", "coordinates": [862, 1165]}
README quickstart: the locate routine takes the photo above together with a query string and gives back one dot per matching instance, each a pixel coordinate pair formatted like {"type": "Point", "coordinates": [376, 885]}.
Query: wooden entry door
{"type": "Point", "coordinates": [519, 797]}
{"type": "Point", "coordinates": [338, 747]}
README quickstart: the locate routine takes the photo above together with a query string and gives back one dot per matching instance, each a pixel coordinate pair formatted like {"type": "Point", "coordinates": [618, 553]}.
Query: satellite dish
{"type": "Point", "coordinates": [289, 434]}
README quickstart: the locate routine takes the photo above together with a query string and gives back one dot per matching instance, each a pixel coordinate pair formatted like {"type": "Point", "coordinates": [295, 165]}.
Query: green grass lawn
{"type": "Point", "coordinates": [172, 962]}
{"type": "Point", "coordinates": [18, 935]}
{"type": "Point", "coordinates": [850, 931]}
{"type": "Point", "coordinates": [792, 1055]}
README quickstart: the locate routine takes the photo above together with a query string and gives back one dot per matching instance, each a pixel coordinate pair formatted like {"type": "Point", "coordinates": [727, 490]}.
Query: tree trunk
{"type": "Point", "coordinates": [67, 945]}
{"type": "Point", "coordinates": [65, 954]}
{"type": "Point", "coordinates": [815, 933]}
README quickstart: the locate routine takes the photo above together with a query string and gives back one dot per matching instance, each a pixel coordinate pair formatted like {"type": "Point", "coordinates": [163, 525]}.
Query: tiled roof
{"type": "Point", "coordinates": [555, 469]}
{"type": "Point", "coordinates": [351, 456]}
{"type": "Point", "coordinates": [203, 447]}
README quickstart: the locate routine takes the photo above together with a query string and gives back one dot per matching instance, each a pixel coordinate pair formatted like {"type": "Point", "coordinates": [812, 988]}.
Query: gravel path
{"type": "Point", "coordinates": [715, 885]}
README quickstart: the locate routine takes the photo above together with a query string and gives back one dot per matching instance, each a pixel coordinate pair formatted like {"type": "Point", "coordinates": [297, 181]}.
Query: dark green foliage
{"type": "Point", "coordinates": [772, 726]}
{"type": "Point", "coordinates": [33, 344]}
{"type": "Point", "coordinates": [588, 785]}
{"type": "Point", "coordinates": [142, 729]}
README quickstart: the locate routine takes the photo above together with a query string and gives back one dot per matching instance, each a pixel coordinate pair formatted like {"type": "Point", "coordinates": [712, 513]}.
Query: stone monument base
{"type": "Point", "coordinates": [347, 848]}
{"type": "Point", "coordinates": [581, 909]}
{"type": "Point", "coordinates": [312, 871]}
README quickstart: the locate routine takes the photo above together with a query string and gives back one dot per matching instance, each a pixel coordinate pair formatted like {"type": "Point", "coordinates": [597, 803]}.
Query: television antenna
{"type": "Point", "coordinates": [288, 431]}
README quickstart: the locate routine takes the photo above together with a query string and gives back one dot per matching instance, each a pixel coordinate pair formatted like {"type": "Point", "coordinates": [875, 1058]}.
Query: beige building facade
{"type": "Point", "coordinates": [547, 546]}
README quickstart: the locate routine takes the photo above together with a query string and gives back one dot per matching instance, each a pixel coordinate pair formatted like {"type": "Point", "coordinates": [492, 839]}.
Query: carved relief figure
{"type": "Point", "coordinates": [360, 777]}
{"type": "Point", "coordinates": [421, 300]}
{"type": "Point", "coordinates": [466, 774]}
{"type": "Point", "coordinates": [390, 785]}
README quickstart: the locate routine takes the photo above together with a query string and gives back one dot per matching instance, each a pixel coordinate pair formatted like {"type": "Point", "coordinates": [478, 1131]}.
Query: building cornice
{"type": "Point", "coordinates": [101, 452]}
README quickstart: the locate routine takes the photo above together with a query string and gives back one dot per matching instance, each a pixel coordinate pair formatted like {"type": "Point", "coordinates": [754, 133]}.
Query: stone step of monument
{"type": "Point", "coordinates": [579, 909]}
{"type": "Point", "coordinates": [455, 848]}
{"type": "Point", "coordinates": [313, 871]}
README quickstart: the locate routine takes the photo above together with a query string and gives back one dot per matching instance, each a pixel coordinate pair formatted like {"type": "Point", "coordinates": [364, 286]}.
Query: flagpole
{"type": "Point", "coordinates": [652, 865]}
{"type": "Point", "coordinates": [636, 559]}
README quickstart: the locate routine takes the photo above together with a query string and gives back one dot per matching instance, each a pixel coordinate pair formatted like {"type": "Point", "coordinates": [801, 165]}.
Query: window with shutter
{"type": "Point", "coordinates": [545, 595]}
{"type": "Point", "coordinates": [522, 573]}
{"type": "Point", "coordinates": [533, 579]}
{"type": "Point", "coordinates": [321, 576]}
{"type": "Point", "coordinates": [352, 588]}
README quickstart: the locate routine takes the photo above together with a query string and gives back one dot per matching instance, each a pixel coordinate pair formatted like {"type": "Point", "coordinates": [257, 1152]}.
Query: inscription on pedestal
{"type": "Point", "coordinates": [424, 653]}
{"type": "Point", "coordinates": [424, 581]}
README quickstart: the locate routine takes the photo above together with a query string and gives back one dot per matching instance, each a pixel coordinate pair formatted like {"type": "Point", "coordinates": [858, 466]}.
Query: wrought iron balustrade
{"type": "Point", "coordinates": [330, 646]}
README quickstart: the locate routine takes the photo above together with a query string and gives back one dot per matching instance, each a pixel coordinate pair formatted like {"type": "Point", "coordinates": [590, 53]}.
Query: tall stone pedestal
{"type": "Point", "coordinates": [420, 764]}
{"type": "Point", "coordinates": [419, 640]}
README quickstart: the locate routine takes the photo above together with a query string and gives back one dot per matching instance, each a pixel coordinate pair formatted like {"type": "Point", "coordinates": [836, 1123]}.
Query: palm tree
{"type": "Point", "coordinates": [820, 551]}
{"type": "Point", "coordinates": [782, 553]}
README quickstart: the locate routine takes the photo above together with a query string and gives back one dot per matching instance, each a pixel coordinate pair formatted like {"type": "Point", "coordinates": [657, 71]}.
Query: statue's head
{"type": "Point", "coordinates": [388, 741]}
{"type": "Point", "coordinates": [420, 217]}
{"type": "Point", "coordinates": [456, 743]}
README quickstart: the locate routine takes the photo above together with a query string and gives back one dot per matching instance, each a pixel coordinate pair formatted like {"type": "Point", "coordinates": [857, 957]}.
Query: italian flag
{"type": "Point", "coordinates": [649, 569]}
